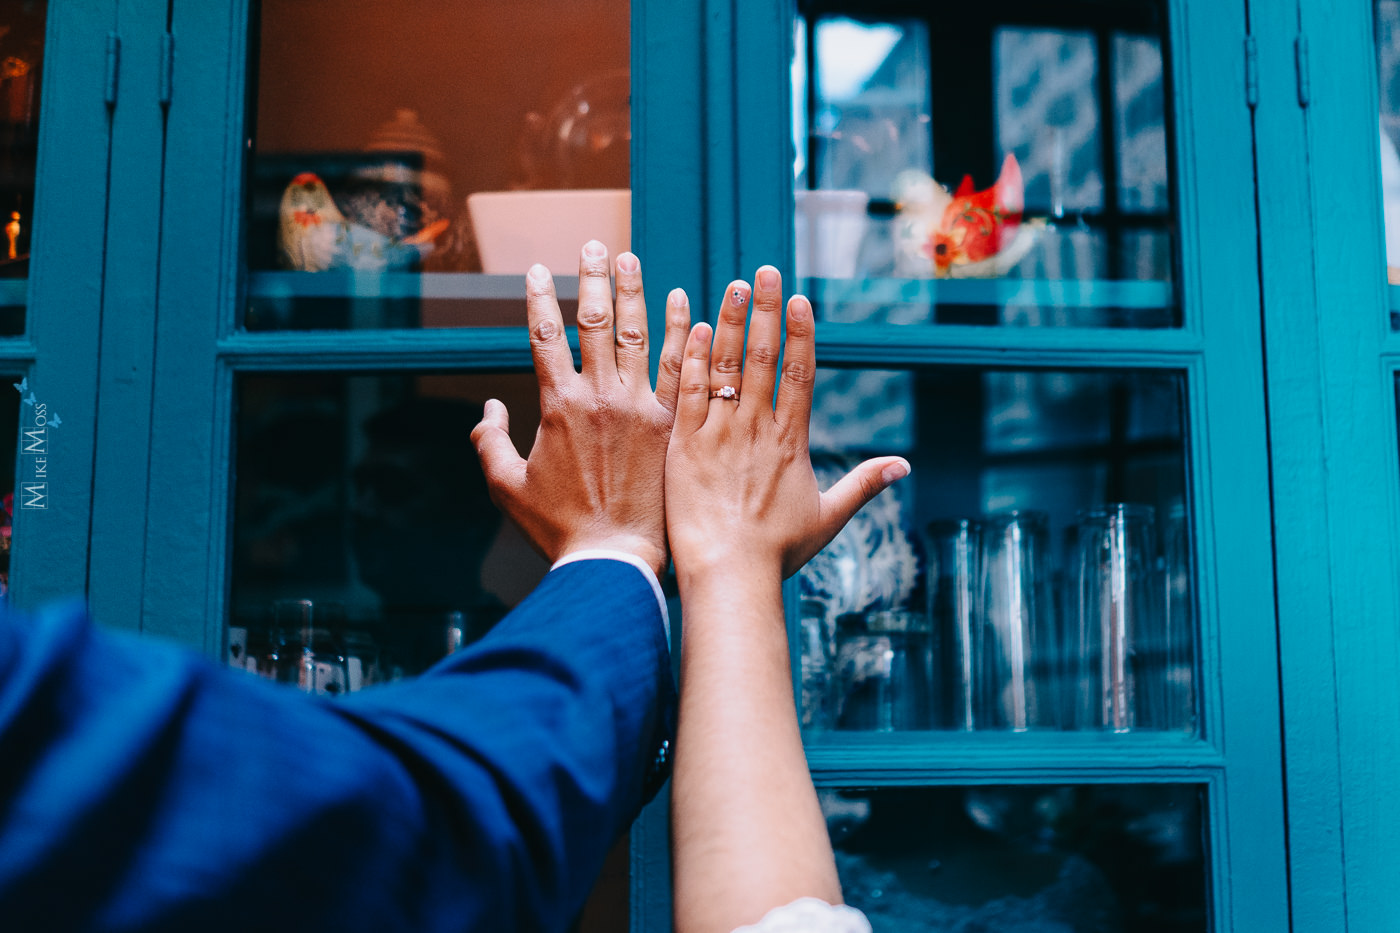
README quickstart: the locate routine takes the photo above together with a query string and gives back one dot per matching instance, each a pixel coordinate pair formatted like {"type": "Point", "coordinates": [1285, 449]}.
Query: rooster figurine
{"type": "Point", "coordinates": [313, 235]}
{"type": "Point", "coordinates": [980, 233]}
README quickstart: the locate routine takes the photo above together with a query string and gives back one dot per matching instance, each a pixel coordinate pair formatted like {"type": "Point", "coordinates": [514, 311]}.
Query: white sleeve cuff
{"type": "Point", "coordinates": [810, 915]}
{"type": "Point", "coordinates": [627, 558]}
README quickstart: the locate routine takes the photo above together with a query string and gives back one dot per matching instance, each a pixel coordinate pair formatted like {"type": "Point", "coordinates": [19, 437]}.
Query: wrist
{"type": "Point", "coordinates": [643, 548]}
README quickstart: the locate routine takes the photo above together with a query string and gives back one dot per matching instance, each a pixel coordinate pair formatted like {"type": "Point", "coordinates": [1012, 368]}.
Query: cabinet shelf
{"type": "Point", "coordinates": [437, 286]}
{"type": "Point", "coordinates": [1048, 293]}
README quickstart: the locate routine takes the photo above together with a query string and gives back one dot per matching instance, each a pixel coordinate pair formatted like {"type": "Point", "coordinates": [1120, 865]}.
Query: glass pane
{"type": "Point", "coordinates": [21, 72]}
{"type": "Point", "coordinates": [359, 497]}
{"type": "Point", "coordinates": [985, 164]}
{"type": "Point", "coordinates": [1078, 859]}
{"type": "Point", "coordinates": [365, 547]}
{"type": "Point", "coordinates": [410, 171]}
{"type": "Point", "coordinates": [1034, 572]}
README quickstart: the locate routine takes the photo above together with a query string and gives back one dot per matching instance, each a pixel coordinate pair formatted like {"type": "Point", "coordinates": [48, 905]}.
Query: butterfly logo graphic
{"type": "Point", "coordinates": [22, 385]}
{"type": "Point", "coordinates": [31, 400]}
{"type": "Point", "coordinates": [55, 421]}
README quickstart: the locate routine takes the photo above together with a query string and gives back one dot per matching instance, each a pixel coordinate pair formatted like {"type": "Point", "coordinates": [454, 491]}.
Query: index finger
{"type": "Point", "coordinates": [554, 363]}
{"type": "Point", "coordinates": [794, 406]}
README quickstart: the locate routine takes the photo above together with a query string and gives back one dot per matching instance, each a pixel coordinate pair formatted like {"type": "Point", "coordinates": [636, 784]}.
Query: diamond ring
{"type": "Point", "coordinates": [726, 392]}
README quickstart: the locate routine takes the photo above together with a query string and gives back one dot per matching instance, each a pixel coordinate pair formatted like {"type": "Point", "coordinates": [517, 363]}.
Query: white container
{"type": "Point", "coordinates": [516, 229]}
{"type": "Point", "coordinates": [829, 228]}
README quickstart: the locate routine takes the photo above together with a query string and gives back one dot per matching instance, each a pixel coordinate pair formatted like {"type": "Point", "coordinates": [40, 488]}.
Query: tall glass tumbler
{"type": "Point", "coordinates": [1015, 650]}
{"type": "Point", "coordinates": [954, 583]}
{"type": "Point", "coordinates": [1179, 618]}
{"type": "Point", "coordinates": [817, 655]}
{"type": "Point", "coordinates": [1119, 635]}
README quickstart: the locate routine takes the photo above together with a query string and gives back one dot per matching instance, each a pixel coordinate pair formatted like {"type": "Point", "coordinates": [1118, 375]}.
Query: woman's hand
{"type": "Point", "coordinates": [739, 481]}
{"type": "Point", "coordinates": [595, 476]}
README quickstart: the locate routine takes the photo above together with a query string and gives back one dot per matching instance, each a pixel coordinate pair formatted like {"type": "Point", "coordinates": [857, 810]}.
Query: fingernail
{"type": "Point", "coordinates": [740, 294]}
{"type": "Point", "coordinates": [677, 297]}
{"type": "Point", "coordinates": [628, 263]}
{"type": "Point", "coordinates": [594, 250]}
{"type": "Point", "coordinates": [799, 308]}
{"type": "Point", "coordinates": [895, 471]}
{"type": "Point", "coordinates": [538, 273]}
{"type": "Point", "coordinates": [767, 277]}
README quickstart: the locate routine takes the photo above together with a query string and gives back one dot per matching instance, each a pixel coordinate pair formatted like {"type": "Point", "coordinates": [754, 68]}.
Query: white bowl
{"type": "Point", "coordinates": [516, 229]}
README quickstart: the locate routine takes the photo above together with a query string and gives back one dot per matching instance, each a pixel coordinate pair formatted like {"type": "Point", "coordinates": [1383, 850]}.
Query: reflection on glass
{"type": "Point", "coordinates": [19, 469]}
{"type": "Point", "coordinates": [980, 166]}
{"type": "Point", "coordinates": [1078, 859]}
{"type": "Point", "coordinates": [1009, 611]}
{"type": "Point", "coordinates": [399, 162]}
{"type": "Point", "coordinates": [21, 70]}
{"type": "Point", "coordinates": [363, 525]}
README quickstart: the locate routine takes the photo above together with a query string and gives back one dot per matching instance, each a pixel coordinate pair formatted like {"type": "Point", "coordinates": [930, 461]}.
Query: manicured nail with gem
{"type": "Point", "coordinates": [739, 295]}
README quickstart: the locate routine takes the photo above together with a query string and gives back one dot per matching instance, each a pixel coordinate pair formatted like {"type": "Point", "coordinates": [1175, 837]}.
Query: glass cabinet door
{"type": "Point", "coordinates": [1009, 234]}
{"type": "Point", "coordinates": [388, 177]}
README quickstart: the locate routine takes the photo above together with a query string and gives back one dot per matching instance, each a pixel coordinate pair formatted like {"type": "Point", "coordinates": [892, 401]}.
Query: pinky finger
{"type": "Point", "coordinates": [693, 399]}
{"type": "Point", "coordinates": [668, 368]}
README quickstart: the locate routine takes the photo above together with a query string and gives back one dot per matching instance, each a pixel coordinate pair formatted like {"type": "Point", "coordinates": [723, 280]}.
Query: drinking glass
{"type": "Point", "coordinates": [954, 580]}
{"type": "Point", "coordinates": [1119, 635]}
{"type": "Point", "coordinates": [885, 670]}
{"type": "Point", "coordinates": [817, 640]}
{"type": "Point", "coordinates": [1177, 613]}
{"type": "Point", "coordinates": [1015, 651]}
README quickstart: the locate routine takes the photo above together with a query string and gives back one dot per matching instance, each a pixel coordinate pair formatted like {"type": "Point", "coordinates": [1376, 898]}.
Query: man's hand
{"type": "Point", "coordinates": [739, 481]}
{"type": "Point", "coordinates": [595, 477]}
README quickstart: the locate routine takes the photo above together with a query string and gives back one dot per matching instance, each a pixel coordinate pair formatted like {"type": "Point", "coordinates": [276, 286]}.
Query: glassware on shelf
{"type": "Point", "coordinates": [1179, 620]}
{"type": "Point", "coordinates": [954, 581]}
{"type": "Point", "coordinates": [1119, 639]}
{"type": "Point", "coordinates": [884, 666]}
{"type": "Point", "coordinates": [304, 650]}
{"type": "Point", "coordinates": [1015, 644]}
{"type": "Point", "coordinates": [817, 648]}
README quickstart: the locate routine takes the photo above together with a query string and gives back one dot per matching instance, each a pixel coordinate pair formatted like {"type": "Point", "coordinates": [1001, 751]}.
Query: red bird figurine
{"type": "Point", "coordinates": [978, 225]}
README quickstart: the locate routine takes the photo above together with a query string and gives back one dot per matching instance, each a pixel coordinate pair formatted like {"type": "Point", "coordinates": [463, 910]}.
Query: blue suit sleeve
{"type": "Point", "coordinates": [142, 788]}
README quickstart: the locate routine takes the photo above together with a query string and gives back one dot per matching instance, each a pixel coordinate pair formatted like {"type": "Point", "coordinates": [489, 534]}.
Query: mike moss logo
{"type": "Point", "coordinates": [36, 420]}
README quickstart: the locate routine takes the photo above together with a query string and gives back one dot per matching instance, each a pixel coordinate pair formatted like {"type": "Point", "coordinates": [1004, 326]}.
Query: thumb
{"type": "Point", "coordinates": [500, 461]}
{"type": "Point", "coordinates": [854, 490]}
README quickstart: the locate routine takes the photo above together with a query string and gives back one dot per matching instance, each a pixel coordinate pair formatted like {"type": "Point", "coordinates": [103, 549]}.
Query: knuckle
{"type": "Point", "coordinates": [545, 331]}
{"type": "Point", "coordinates": [694, 387]}
{"type": "Point", "coordinates": [594, 317]}
{"type": "Point", "coordinates": [802, 329]}
{"type": "Point", "coordinates": [671, 363]}
{"type": "Point", "coordinates": [763, 354]}
{"type": "Point", "coordinates": [727, 366]}
{"type": "Point", "coordinates": [631, 336]}
{"type": "Point", "coordinates": [798, 373]}
{"type": "Point", "coordinates": [733, 314]}
{"type": "Point", "coordinates": [596, 269]}
{"type": "Point", "coordinates": [629, 287]}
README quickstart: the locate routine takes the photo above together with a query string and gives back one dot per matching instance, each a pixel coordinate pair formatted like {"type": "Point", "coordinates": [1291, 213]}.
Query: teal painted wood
{"type": "Point", "coordinates": [1349, 328]}
{"type": "Point", "coordinates": [65, 295]}
{"type": "Point", "coordinates": [124, 468]}
{"type": "Point", "coordinates": [1298, 455]}
{"type": "Point", "coordinates": [668, 159]}
{"type": "Point", "coordinates": [200, 264]}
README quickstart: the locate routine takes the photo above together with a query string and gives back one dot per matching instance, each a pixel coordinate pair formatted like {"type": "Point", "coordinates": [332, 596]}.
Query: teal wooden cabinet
{"type": "Point", "coordinates": [1186, 318]}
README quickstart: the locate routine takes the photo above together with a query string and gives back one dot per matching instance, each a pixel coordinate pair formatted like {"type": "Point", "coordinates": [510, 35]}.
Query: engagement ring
{"type": "Point", "coordinates": [726, 392]}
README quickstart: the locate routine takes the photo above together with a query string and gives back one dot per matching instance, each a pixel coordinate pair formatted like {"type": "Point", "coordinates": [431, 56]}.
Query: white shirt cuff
{"type": "Point", "coordinates": [627, 558]}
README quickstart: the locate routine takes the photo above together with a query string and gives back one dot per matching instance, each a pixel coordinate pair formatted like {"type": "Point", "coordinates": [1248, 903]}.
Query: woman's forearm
{"type": "Point", "coordinates": [748, 833]}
